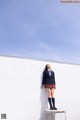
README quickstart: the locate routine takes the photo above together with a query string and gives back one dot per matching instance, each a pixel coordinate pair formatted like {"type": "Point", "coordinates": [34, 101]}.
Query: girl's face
{"type": "Point", "coordinates": [48, 66]}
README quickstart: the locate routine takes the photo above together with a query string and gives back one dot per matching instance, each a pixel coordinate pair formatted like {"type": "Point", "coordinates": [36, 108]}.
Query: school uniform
{"type": "Point", "coordinates": [48, 79]}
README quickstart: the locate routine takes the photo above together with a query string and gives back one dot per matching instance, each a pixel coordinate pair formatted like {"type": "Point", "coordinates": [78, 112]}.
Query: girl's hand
{"type": "Point", "coordinates": [42, 86]}
{"type": "Point", "coordinates": [55, 87]}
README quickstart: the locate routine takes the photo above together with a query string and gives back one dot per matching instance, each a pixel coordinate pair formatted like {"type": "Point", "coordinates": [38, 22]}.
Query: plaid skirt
{"type": "Point", "coordinates": [49, 86]}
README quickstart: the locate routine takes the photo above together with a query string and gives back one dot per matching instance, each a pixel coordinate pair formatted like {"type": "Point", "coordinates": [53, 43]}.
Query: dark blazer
{"type": "Point", "coordinates": [48, 78]}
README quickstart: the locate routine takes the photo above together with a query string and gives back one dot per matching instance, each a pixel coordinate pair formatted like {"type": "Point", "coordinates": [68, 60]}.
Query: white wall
{"type": "Point", "coordinates": [21, 97]}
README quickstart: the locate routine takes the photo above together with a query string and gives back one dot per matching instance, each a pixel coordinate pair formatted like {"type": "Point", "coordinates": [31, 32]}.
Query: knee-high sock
{"type": "Point", "coordinates": [53, 101]}
{"type": "Point", "coordinates": [50, 103]}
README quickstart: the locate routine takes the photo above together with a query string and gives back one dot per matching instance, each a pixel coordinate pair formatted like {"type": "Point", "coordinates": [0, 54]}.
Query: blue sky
{"type": "Point", "coordinates": [40, 29]}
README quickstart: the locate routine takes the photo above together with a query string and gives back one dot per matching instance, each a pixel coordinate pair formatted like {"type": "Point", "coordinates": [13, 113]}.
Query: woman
{"type": "Point", "coordinates": [48, 82]}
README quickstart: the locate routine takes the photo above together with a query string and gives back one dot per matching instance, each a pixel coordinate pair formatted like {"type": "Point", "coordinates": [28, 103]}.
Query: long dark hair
{"type": "Point", "coordinates": [46, 68]}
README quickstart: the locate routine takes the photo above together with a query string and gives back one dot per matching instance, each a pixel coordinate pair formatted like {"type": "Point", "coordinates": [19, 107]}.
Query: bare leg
{"type": "Point", "coordinates": [49, 92]}
{"type": "Point", "coordinates": [49, 97]}
{"type": "Point", "coordinates": [52, 92]}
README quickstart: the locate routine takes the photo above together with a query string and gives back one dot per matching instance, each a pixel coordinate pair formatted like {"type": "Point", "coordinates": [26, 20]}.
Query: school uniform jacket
{"type": "Point", "coordinates": [48, 78]}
